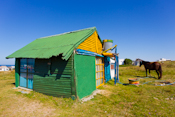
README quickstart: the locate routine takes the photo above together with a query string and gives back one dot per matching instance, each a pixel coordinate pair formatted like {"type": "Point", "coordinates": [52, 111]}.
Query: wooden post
{"type": "Point", "coordinates": [117, 59]}
{"type": "Point", "coordinates": [115, 79]}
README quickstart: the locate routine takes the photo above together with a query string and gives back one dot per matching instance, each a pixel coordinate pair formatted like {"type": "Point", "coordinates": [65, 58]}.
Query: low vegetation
{"type": "Point", "coordinates": [128, 61]}
{"type": "Point", "coordinates": [116, 100]}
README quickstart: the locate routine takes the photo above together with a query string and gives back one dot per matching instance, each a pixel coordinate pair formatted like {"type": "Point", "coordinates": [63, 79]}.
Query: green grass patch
{"type": "Point", "coordinates": [119, 100]}
{"type": "Point", "coordinates": [124, 65]}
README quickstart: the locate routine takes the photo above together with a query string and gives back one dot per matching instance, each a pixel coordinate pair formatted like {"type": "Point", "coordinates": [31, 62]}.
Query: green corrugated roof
{"type": "Point", "coordinates": [55, 45]}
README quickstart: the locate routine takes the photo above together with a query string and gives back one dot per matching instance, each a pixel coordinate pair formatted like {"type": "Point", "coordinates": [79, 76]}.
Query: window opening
{"type": "Point", "coordinates": [99, 63]}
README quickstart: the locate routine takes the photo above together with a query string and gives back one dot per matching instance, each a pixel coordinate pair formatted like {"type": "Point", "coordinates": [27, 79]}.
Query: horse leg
{"type": "Point", "coordinates": [149, 72]}
{"type": "Point", "coordinates": [158, 74]}
{"type": "Point", "coordinates": [160, 71]}
{"type": "Point", "coordinates": [146, 72]}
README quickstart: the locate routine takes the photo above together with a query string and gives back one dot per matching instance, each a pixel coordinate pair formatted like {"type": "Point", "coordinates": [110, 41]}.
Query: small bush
{"type": "Point", "coordinates": [128, 61]}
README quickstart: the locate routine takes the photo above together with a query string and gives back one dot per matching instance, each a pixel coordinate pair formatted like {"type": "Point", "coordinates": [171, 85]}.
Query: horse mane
{"type": "Point", "coordinates": [146, 61]}
{"type": "Point", "coordinates": [149, 62]}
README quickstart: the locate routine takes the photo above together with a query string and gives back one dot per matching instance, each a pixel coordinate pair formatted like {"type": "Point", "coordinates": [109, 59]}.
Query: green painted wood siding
{"type": "Point", "coordinates": [17, 70]}
{"type": "Point", "coordinates": [85, 75]}
{"type": "Point", "coordinates": [53, 76]}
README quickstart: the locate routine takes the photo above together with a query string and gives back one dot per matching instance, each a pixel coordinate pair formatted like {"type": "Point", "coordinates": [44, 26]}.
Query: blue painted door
{"type": "Point", "coordinates": [23, 80]}
{"type": "Point", "coordinates": [30, 81]}
{"type": "Point", "coordinates": [26, 72]}
{"type": "Point", "coordinates": [23, 73]}
{"type": "Point", "coordinates": [30, 70]}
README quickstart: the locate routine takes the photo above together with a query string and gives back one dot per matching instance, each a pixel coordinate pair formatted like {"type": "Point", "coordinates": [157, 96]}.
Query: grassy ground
{"type": "Point", "coordinates": [119, 100]}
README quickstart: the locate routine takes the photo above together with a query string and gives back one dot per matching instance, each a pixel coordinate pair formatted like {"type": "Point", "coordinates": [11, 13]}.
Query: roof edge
{"type": "Point", "coordinates": [68, 32]}
{"type": "Point", "coordinates": [68, 54]}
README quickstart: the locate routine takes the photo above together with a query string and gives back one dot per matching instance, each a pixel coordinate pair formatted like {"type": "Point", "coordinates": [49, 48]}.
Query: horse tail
{"type": "Point", "coordinates": [160, 71]}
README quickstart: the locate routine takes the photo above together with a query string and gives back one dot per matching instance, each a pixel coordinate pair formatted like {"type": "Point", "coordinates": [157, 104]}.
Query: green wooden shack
{"type": "Point", "coordinates": [66, 65]}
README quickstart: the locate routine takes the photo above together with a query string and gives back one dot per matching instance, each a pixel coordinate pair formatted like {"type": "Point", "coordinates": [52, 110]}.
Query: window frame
{"type": "Point", "coordinates": [99, 68]}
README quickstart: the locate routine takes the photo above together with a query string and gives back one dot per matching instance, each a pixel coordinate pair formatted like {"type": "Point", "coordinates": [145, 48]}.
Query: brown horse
{"type": "Point", "coordinates": [152, 66]}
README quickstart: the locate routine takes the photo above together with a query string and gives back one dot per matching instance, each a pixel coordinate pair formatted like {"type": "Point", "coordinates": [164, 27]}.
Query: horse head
{"type": "Point", "coordinates": [140, 61]}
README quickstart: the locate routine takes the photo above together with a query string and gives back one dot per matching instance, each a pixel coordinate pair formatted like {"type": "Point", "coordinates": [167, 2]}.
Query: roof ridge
{"type": "Point", "coordinates": [68, 32]}
{"type": "Point", "coordinates": [66, 45]}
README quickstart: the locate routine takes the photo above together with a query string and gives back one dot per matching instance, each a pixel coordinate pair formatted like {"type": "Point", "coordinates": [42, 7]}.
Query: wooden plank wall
{"type": "Point", "coordinates": [92, 44]}
{"type": "Point", "coordinates": [53, 76]}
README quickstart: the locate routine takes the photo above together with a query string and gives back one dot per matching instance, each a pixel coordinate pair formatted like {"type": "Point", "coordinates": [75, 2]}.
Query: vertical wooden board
{"type": "Point", "coordinates": [17, 70]}
{"type": "Point", "coordinates": [73, 84]}
{"type": "Point", "coordinates": [92, 44]}
{"type": "Point", "coordinates": [85, 75]}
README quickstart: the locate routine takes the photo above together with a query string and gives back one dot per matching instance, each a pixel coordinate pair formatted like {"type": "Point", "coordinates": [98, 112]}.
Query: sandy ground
{"type": "Point", "coordinates": [13, 105]}
{"type": "Point", "coordinates": [97, 91]}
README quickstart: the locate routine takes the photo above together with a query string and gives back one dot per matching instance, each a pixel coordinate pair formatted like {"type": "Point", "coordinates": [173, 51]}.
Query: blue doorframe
{"type": "Point", "coordinates": [26, 72]}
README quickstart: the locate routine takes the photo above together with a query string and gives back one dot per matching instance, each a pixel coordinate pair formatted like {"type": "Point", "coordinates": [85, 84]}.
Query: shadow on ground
{"type": "Point", "coordinates": [13, 83]}
{"type": "Point", "coordinates": [145, 77]}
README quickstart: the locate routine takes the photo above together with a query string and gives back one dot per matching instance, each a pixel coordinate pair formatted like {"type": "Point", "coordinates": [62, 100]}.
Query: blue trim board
{"type": "Point", "coordinates": [88, 53]}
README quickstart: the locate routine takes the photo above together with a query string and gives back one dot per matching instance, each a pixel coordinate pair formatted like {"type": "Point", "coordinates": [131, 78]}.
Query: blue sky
{"type": "Point", "coordinates": [141, 28]}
